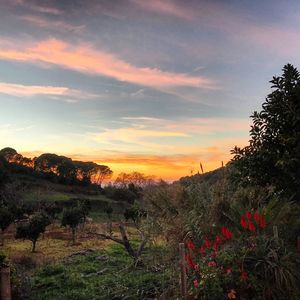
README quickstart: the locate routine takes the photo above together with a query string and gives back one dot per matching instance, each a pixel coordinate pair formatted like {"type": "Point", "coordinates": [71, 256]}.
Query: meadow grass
{"type": "Point", "coordinates": [77, 279]}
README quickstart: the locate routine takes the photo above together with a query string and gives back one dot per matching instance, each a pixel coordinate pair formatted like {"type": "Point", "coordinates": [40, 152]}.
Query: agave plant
{"type": "Point", "coordinates": [276, 269]}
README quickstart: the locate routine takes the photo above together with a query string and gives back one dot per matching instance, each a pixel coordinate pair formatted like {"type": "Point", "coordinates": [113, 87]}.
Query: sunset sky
{"type": "Point", "coordinates": [151, 86]}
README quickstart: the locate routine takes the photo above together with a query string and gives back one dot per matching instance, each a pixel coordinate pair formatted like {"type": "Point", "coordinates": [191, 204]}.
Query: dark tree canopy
{"type": "Point", "coordinates": [73, 216]}
{"type": "Point", "coordinates": [8, 153]}
{"type": "Point", "coordinates": [273, 154]}
{"type": "Point", "coordinates": [55, 167]}
{"type": "Point", "coordinates": [32, 229]}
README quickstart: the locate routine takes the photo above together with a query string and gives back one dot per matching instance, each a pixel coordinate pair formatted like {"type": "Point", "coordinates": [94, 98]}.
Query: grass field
{"type": "Point", "coordinates": [77, 278]}
{"type": "Point", "coordinates": [53, 273]}
{"type": "Point", "coordinates": [105, 272]}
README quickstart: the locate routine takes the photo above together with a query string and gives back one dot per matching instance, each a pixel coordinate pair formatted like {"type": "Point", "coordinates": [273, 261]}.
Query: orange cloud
{"type": "Point", "coordinates": [134, 136]}
{"type": "Point", "coordinates": [85, 59]}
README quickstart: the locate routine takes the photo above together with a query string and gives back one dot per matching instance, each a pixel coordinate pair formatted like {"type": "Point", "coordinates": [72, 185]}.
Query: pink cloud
{"type": "Point", "coordinates": [166, 7]}
{"type": "Point", "coordinates": [85, 59]}
{"type": "Point", "coordinates": [20, 90]}
{"type": "Point", "coordinates": [240, 26]}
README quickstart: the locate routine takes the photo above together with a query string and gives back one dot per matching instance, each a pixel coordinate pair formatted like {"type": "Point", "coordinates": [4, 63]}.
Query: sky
{"type": "Point", "coordinates": [150, 86]}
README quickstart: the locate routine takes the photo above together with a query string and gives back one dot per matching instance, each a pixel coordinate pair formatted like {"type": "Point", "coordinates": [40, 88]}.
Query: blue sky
{"type": "Point", "coordinates": [151, 86]}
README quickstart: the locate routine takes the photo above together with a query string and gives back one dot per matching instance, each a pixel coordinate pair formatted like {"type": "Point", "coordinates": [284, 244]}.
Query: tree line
{"type": "Point", "coordinates": [59, 168]}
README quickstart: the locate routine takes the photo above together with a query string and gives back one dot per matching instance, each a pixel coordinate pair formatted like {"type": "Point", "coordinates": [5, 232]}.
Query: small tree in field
{"type": "Point", "coordinates": [136, 214]}
{"type": "Point", "coordinates": [6, 218]}
{"type": "Point", "coordinates": [32, 229]}
{"type": "Point", "coordinates": [72, 217]}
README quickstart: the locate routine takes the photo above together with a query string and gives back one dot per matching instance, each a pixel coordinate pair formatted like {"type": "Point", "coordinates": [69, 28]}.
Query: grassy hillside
{"type": "Point", "coordinates": [37, 190]}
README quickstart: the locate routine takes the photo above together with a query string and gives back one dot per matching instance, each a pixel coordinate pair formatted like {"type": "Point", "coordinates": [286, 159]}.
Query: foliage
{"type": "Point", "coordinates": [32, 229]}
{"type": "Point", "coordinates": [72, 217]}
{"type": "Point", "coordinates": [135, 213]}
{"type": "Point", "coordinates": [167, 206]}
{"type": "Point", "coordinates": [52, 209]}
{"type": "Point", "coordinates": [3, 259]}
{"type": "Point", "coordinates": [122, 194]}
{"type": "Point", "coordinates": [245, 263]}
{"type": "Point", "coordinates": [6, 218]}
{"type": "Point", "coordinates": [136, 179]}
{"type": "Point", "coordinates": [273, 155]}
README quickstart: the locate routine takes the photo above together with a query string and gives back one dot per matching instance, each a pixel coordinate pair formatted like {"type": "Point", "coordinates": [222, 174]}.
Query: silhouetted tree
{"type": "Point", "coordinates": [101, 173]}
{"type": "Point", "coordinates": [273, 155]}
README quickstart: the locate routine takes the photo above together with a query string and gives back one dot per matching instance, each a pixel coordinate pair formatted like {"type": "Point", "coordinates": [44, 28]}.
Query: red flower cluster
{"type": "Point", "coordinates": [190, 245]}
{"type": "Point", "coordinates": [247, 221]}
{"type": "Point", "coordinates": [190, 261]}
{"type": "Point", "coordinates": [227, 234]}
{"type": "Point", "coordinates": [208, 245]}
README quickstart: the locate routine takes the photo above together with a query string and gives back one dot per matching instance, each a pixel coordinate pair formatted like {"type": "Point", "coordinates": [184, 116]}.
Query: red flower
{"type": "Point", "coordinates": [207, 243]}
{"type": "Point", "coordinates": [190, 261]}
{"type": "Point", "coordinates": [226, 233]}
{"type": "Point", "coordinates": [216, 247]}
{"type": "Point", "coordinates": [244, 276]}
{"type": "Point", "coordinates": [256, 217]}
{"type": "Point", "coordinates": [196, 283]}
{"type": "Point", "coordinates": [213, 254]}
{"type": "Point", "coordinates": [248, 215]}
{"type": "Point", "coordinates": [202, 250]}
{"type": "Point", "coordinates": [252, 227]}
{"type": "Point", "coordinates": [228, 271]}
{"type": "Point", "coordinates": [262, 223]}
{"type": "Point", "coordinates": [211, 264]}
{"type": "Point", "coordinates": [190, 245]}
{"type": "Point", "coordinates": [231, 294]}
{"type": "Point", "coordinates": [244, 223]}
{"type": "Point", "coordinates": [218, 240]}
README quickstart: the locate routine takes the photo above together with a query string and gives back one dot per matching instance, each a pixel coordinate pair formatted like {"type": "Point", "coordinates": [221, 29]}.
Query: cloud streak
{"type": "Point", "coordinates": [20, 90]}
{"type": "Point", "coordinates": [85, 59]}
{"type": "Point", "coordinates": [51, 24]}
{"type": "Point", "coordinates": [229, 20]}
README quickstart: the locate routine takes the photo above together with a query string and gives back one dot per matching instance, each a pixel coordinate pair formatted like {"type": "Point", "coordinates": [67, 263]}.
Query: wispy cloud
{"type": "Point", "coordinates": [85, 59]}
{"type": "Point", "coordinates": [192, 125]}
{"type": "Point", "coordinates": [40, 7]}
{"type": "Point", "coordinates": [135, 136]}
{"type": "Point", "coordinates": [51, 24]}
{"type": "Point", "coordinates": [166, 7]}
{"type": "Point", "coordinates": [20, 90]}
{"type": "Point", "coordinates": [154, 135]}
{"type": "Point", "coordinates": [235, 23]}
